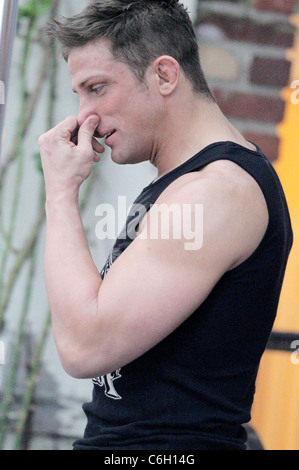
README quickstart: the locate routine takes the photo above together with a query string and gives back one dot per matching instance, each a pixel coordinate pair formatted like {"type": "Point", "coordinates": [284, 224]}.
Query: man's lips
{"type": "Point", "coordinates": [102, 135]}
{"type": "Point", "coordinates": [109, 136]}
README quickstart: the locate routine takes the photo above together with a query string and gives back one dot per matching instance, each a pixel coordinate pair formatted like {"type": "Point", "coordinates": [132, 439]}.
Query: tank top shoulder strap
{"type": "Point", "coordinates": [214, 152]}
{"type": "Point", "coordinates": [253, 162]}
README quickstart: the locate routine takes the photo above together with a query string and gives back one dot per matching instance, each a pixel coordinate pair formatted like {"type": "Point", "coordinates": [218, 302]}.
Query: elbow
{"type": "Point", "coordinates": [82, 364]}
{"type": "Point", "coordinates": [74, 369]}
{"type": "Point", "coordinates": [75, 366]}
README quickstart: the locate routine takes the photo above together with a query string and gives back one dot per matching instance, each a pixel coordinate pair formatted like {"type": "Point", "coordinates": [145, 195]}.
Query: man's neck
{"type": "Point", "coordinates": [200, 124]}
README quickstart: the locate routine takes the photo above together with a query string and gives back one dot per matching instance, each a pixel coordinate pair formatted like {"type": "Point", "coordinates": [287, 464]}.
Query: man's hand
{"type": "Point", "coordinates": [68, 153]}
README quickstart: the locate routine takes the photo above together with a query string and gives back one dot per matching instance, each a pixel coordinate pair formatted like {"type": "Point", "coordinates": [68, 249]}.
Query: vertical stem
{"type": "Point", "coordinates": [22, 256]}
{"type": "Point", "coordinates": [22, 430]}
{"type": "Point", "coordinates": [20, 160]}
{"type": "Point", "coordinates": [31, 385]}
{"type": "Point", "coordinates": [8, 394]}
{"type": "Point", "coordinates": [36, 364]}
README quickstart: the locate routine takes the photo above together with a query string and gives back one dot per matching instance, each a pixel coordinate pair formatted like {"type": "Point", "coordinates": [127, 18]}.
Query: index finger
{"type": "Point", "coordinates": [67, 128]}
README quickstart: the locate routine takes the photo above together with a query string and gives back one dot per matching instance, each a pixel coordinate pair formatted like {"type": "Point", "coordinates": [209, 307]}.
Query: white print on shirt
{"type": "Point", "coordinates": [107, 382]}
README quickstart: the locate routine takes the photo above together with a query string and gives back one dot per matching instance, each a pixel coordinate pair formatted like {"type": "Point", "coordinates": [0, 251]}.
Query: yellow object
{"type": "Point", "coordinates": [275, 414]}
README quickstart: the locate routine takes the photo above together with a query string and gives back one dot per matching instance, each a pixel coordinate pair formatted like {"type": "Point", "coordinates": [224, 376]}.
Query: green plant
{"type": "Point", "coordinates": [15, 258]}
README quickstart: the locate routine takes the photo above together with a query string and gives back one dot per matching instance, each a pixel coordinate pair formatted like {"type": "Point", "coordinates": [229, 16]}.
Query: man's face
{"type": "Point", "coordinates": [128, 110]}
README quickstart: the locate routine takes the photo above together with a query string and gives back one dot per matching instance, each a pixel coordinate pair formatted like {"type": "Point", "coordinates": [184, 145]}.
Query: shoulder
{"type": "Point", "coordinates": [230, 204]}
{"type": "Point", "coordinates": [218, 179]}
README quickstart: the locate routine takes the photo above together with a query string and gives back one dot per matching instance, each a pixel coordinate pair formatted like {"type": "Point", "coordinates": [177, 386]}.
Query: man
{"type": "Point", "coordinates": [171, 333]}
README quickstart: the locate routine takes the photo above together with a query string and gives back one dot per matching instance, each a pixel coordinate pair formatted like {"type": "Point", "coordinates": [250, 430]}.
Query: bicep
{"type": "Point", "coordinates": [153, 287]}
{"type": "Point", "coordinates": [156, 284]}
{"type": "Point", "coordinates": [147, 294]}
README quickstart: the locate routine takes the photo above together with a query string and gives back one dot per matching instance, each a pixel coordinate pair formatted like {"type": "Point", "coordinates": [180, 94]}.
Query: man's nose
{"type": "Point", "coordinates": [85, 112]}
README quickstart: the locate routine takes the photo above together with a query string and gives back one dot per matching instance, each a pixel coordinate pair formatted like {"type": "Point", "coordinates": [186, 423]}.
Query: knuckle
{"type": "Point", "coordinates": [71, 117]}
{"type": "Point", "coordinates": [64, 134]}
{"type": "Point", "coordinates": [70, 120]}
{"type": "Point", "coordinates": [42, 140]}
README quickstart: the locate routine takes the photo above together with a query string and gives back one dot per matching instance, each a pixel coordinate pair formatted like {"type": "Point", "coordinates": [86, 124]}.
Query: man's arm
{"type": "Point", "coordinates": [72, 279]}
{"type": "Point", "coordinates": [156, 284]}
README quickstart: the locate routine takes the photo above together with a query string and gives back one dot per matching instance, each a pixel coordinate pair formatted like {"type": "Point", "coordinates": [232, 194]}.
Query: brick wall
{"type": "Point", "coordinates": [243, 47]}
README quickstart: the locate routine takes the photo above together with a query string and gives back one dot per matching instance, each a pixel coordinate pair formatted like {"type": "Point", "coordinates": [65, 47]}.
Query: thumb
{"type": "Point", "coordinates": [87, 131]}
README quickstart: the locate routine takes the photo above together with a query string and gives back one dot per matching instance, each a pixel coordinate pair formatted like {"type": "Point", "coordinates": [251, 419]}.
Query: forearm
{"type": "Point", "coordinates": [68, 152]}
{"type": "Point", "coordinates": [72, 279]}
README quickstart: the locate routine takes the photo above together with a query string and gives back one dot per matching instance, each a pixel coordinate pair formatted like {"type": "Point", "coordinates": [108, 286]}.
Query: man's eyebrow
{"type": "Point", "coordinates": [83, 84]}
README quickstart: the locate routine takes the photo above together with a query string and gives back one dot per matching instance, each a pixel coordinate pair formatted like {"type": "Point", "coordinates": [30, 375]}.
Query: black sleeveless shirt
{"type": "Point", "coordinates": [195, 389]}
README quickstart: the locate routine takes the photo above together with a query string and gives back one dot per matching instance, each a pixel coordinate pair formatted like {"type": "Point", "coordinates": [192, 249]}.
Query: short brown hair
{"type": "Point", "coordinates": [139, 32]}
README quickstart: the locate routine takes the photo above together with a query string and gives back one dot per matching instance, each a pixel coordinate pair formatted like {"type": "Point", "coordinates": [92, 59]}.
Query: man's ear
{"type": "Point", "coordinates": [167, 71]}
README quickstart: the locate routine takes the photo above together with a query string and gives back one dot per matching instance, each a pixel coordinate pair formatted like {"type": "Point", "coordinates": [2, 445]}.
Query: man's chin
{"type": "Point", "coordinates": [121, 157]}
{"type": "Point", "coordinates": [118, 159]}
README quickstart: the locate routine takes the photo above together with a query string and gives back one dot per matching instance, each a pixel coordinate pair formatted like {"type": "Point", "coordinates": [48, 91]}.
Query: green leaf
{"type": "Point", "coordinates": [38, 163]}
{"type": "Point", "coordinates": [34, 8]}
